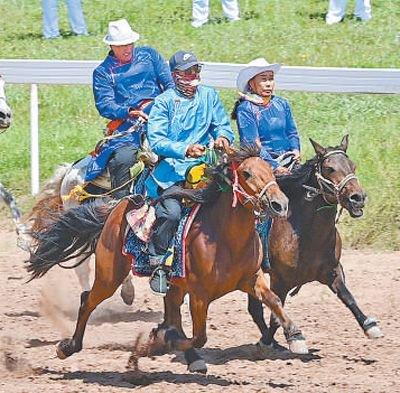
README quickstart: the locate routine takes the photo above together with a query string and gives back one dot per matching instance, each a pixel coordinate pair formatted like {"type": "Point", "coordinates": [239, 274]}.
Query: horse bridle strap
{"type": "Point", "coordinates": [241, 195]}
{"type": "Point", "coordinates": [328, 185]}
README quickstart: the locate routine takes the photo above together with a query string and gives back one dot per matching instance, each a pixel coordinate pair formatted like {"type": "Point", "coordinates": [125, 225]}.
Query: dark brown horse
{"type": "Point", "coordinates": [307, 246]}
{"type": "Point", "coordinates": [223, 254]}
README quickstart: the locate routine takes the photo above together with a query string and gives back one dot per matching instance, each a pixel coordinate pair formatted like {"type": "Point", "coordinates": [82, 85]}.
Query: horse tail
{"type": "Point", "coordinates": [49, 202]}
{"type": "Point", "coordinates": [74, 233]}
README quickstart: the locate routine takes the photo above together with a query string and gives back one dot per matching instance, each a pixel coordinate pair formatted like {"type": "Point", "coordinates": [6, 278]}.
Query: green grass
{"type": "Point", "coordinates": [290, 31]}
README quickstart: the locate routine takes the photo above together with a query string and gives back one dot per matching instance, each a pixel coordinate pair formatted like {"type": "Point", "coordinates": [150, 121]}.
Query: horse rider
{"type": "Point", "coordinates": [124, 87]}
{"type": "Point", "coordinates": [264, 118]}
{"type": "Point", "coordinates": [183, 121]}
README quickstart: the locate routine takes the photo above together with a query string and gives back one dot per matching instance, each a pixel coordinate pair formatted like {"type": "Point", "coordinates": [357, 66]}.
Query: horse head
{"type": "Point", "coordinates": [335, 174]}
{"type": "Point", "coordinates": [254, 183]}
{"type": "Point", "coordinates": [5, 111]}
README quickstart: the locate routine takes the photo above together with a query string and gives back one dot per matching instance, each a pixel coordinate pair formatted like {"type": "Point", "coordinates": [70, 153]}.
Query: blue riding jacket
{"type": "Point", "coordinates": [273, 125]}
{"type": "Point", "coordinates": [175, 123]}
{"type": "Point", "coordinates": [118, 88]}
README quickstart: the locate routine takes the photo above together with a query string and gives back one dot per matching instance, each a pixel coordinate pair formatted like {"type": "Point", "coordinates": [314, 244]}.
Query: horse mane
{"type": "Point", "coordinates": [210, 193]}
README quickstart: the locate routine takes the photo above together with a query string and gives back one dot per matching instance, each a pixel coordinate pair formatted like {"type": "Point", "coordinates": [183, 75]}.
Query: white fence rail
{"type": "Point", "coordinates": [221, 75]}
{"type": "Point", "coordinates": [311, 79]}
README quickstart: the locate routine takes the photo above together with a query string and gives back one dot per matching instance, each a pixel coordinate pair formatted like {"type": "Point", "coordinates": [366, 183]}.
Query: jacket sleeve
{"type": "Point", "coordinates": [291, 129]}
{"type": "Point", "coordinates": [157, 133]}
{"type": "Point", "coordinates": [104, 97]}
{"type": "Point", "coordinates": [220, 125]}
{"type": "Point", "coordinates": [163, 72]}
{"type": "Point", "coordinates": [248, 133]}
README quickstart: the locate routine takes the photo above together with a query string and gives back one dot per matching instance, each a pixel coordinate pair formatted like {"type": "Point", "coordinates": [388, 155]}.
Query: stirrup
{"type": "Point", "coordinates": [159, 281]}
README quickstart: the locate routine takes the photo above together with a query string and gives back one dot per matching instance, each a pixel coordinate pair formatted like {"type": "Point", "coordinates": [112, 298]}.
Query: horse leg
{"type": "Point", "coordinates": [170, 333]}
{"type": "Point", "coordinates": [172, 308]}
{"type": "Point", "coordinates": [105, 284]}
{"type": "Point", "coordinates": [336, 283]}
{"type": "Point", "coordinates": [273, 321]}
{"type": "Point", "coordinates": [255, 309]}
{"type": "Point", "coordinates": [83, 273]}
{"type": "Point", "coordinates": [258, 288]}
{"type": "Point", "coordinates": [128, 290]}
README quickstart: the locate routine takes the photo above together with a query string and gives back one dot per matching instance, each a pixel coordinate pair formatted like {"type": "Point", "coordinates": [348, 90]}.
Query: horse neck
{"type": "Point", "coordinates": [308, 217]}
{"type": "Point", "coordinates": [236, 223]}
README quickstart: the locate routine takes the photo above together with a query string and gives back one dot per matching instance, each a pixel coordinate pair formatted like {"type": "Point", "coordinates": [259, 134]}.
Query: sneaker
{"type": "Point", "coordinates": [159, 281]}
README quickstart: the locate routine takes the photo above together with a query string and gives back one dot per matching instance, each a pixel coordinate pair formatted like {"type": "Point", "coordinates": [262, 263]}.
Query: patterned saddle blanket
{"type": "Point", "coordinates": [136, 242]}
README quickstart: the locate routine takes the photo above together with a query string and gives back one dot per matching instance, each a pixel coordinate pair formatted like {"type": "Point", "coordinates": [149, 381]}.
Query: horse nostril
{"type": "Point", "coordinates": [356, 197]}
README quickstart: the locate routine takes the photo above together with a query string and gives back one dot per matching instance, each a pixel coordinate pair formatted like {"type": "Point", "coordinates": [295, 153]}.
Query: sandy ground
{"type": "Point", "coordinates": [35, 316]}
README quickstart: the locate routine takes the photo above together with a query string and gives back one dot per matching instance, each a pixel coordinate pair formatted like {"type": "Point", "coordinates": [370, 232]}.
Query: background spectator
{"type": "Point", "coordinates": [337, 9]}
{"type": "Point", "coordinates": [50, 18]}
{"type": "Point", "coordinates": [201, 11]}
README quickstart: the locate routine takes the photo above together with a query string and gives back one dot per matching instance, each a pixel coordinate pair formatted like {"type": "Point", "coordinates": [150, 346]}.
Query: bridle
{"type": "Point", "coordinates": [326, 186]}
{"type": "Point", "coordinates": [242, 196]}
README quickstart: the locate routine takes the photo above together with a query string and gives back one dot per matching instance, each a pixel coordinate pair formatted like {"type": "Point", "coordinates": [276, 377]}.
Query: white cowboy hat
{"type": "Point", "coordinates": [120, 33]}
{"type": "Point", "coordinates": [252, 69]}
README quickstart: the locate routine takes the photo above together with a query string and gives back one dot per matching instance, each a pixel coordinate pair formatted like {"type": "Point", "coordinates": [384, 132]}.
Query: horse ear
{"type": "Point", "coordinates": [345, 143]}
{"type": "Point", "coordinates": [320, 150]}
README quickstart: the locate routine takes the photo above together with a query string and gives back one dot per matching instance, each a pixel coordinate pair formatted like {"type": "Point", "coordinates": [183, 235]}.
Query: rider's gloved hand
{"type": "Point", "coordinates": [221, 143]}
{"type": "Point", "coordinates": [196, 150]}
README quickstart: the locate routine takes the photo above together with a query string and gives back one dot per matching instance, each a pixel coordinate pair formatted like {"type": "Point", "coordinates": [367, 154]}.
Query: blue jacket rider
{"type": "Point", "coordinates": [183, 121]}
{"type": "Point", "coordinates": [263, 117]}
{"type": "Point", "coordinates": [124, 83]}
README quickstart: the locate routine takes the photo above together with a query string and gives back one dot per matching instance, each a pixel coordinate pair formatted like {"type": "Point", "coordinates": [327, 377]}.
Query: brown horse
{"type": "Point", "coordinates": [223, 254]}
{"type": "Point", "coordinates": [307, 246]}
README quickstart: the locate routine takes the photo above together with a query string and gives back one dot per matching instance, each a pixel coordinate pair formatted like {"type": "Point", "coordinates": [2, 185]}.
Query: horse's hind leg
{"type": "Point", "coordinates": [106, 283]}
{"type": "Point", "coordinates": [258, 288]}
{"type": "Point", "coordinates": [336, 283]}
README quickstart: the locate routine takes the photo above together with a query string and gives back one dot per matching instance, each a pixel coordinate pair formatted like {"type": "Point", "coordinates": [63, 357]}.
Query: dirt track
{"type": "Point", "coordinates": [35, 316]}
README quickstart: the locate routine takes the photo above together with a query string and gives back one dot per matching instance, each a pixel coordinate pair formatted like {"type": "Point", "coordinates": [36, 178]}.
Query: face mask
{"type": "Point", "coordinates": [186, 84]}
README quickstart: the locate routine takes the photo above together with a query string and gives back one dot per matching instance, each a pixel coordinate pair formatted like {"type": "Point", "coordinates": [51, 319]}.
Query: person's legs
{"type": "Point", "coordinates": [76, 18]}
{"type": "Point", "coordinates": [363, 10]}
{"type": "Point", "coordinates": [50, 19]}
{"type": "Point", "coordinates": [200, 12]}
{"type": "Point", "coordinates": [336, 11]}
{"type": "Point", "coordinates": [168, 213]}
{"type": "Point", "coordinates": [119, 166]}
{"type": "Point", "coordinates": [231, 9]}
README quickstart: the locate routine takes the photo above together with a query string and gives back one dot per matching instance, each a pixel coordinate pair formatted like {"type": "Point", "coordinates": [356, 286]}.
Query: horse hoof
{"type": "Point", "coordinates": [66, 348]}
{"type": "Point", "coordinates": [374, 332]}
{"type": "Point", "coordinates": [128, 293]}
{"type": "Point", "coordinates": [59, 351]}
{"type": "Point", "coordinates": [273, 346]}
{"type": "Point", "coordinates": [198, 366]}
{"type": "Point", "coordinates": [298, 346]}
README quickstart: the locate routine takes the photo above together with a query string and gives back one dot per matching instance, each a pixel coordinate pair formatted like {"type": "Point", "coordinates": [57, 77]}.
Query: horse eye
{"type": "Point", "coordinates": [329, 170]}
{"type": "Point", "coordinates": [247, 174]}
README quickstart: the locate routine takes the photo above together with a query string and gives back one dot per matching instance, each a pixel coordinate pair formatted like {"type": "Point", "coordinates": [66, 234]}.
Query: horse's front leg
{"type": "Point", "coordinates": [198, 310]}
{"type": "Point", "coordinates": [258, 288]}
{"type": "Point", "coordinates": [336, 283]}
{"type": "Point", "coordinates": [172, 308]}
